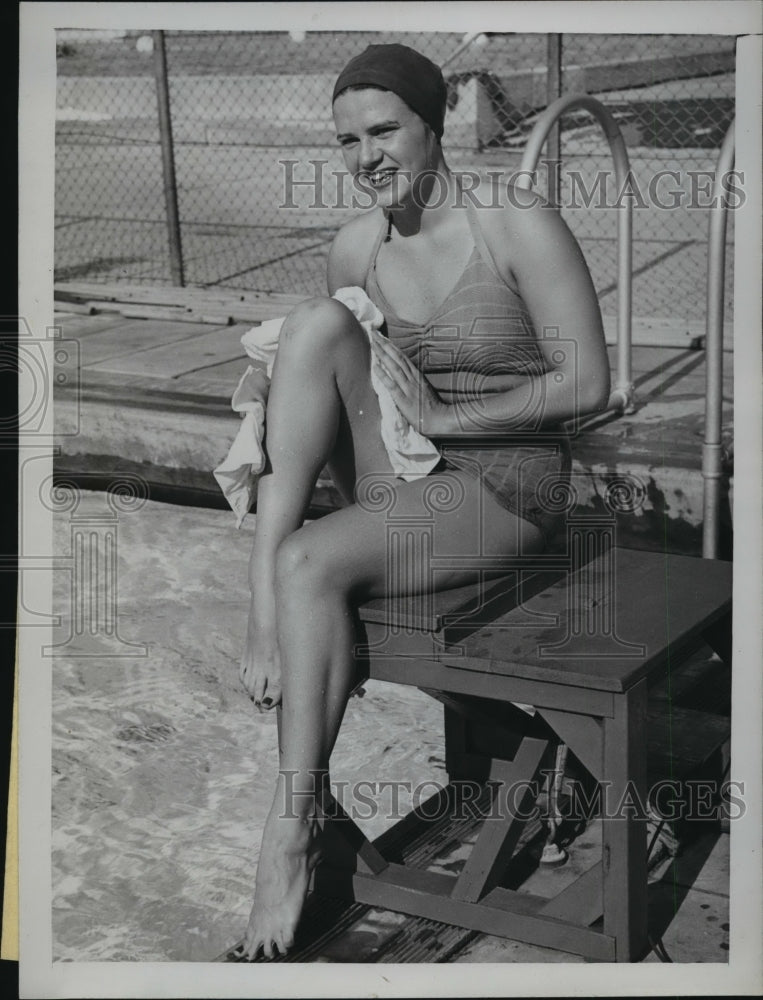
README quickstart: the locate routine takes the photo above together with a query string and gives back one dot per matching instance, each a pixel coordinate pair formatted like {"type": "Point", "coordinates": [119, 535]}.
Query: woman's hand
{"type": "Point", "coordinates": [415, 398]}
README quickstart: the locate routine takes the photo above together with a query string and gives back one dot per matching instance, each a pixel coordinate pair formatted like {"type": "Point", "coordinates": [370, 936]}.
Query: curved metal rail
{"type": "Point", "coordinates": [716, 262]}
{"type": "Point", "coordinates": [622, 395]}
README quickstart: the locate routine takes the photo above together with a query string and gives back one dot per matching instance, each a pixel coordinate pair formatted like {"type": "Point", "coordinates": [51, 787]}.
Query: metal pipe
{"type": "Point", "coordinates": [168, 159]}
{"type": "Point", "coordinates": [553, 93]}
{"type": "Point", "coordinates": [622, 395]}
{"type": "Point", "coordinates": [716, 262]}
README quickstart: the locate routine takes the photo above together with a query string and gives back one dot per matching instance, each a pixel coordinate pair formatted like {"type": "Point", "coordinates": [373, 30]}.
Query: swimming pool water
{"type": "Point", "coordinates": [162, 770]}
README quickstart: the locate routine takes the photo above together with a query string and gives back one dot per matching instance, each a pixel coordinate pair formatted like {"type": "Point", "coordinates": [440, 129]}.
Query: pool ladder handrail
{"type": "Point", "coordinates": [712, 449]}
{"type": "Point", "coordinates": [622, 396]}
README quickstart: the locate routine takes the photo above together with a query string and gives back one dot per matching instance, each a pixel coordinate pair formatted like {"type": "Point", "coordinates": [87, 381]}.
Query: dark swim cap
{"type": "Point", "coordinates": [414, 78]}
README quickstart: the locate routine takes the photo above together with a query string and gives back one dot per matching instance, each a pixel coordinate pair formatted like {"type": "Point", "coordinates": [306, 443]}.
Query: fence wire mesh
{"type": "Point", "coordinates": [253, 143]}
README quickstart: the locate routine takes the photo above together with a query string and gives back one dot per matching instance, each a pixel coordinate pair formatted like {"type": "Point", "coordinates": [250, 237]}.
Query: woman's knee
{"type": "Point", "coordinates": [303, 565]}
{"type": "Point", "coordinates": [320, 323]}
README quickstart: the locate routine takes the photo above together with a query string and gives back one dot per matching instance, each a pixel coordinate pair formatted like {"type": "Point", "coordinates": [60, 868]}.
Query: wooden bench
{"type": "Point", "coordinates": [583, 651]}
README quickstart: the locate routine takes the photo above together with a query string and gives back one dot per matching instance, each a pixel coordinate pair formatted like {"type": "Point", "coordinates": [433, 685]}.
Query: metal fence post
{"type": "Point", "coordinates": [554, 91]}
{"type": "Point", "coordinates": [712, 447]}
{"type": "Point", "coordinates": [168, 159]}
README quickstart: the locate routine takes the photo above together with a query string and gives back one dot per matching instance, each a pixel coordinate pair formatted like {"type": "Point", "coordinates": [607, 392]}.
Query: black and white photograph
{"type": "Point", "coordinates": [390, 499]}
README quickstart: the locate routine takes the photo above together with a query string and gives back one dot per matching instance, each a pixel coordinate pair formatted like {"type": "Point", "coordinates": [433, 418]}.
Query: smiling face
{"type": "Point", "coordinates": [385, 144]}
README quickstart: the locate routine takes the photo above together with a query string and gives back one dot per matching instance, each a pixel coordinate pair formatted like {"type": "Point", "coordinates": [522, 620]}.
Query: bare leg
{"type": "Point", "coordinates": [321, 570]}
{"type": "Point", "coordinates": [321, 408]}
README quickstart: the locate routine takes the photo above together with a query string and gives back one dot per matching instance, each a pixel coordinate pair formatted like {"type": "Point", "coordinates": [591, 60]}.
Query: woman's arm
{"type": "Point", "coordinates": [537, 255]}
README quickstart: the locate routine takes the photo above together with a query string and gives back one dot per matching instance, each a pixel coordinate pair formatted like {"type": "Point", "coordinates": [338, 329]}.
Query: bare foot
{"type": "Point", "coordinates": [288, 855]}
{"type": "Point", "coordinates": [260, 669]}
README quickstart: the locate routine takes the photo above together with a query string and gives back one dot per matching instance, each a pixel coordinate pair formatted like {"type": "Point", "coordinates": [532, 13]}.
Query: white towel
{"type": "Point", "coordinates": [411, 454]}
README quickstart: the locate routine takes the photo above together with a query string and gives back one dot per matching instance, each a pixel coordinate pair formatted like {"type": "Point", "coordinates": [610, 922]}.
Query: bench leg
{"type": "Point", "coordinates": [624, 825]}
{"type": "Point", "coordinates": [718, 637]}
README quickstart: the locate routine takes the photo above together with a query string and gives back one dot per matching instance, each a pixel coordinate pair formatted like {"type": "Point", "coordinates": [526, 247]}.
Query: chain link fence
{"type": "Point", "coordinates": [256, 161]}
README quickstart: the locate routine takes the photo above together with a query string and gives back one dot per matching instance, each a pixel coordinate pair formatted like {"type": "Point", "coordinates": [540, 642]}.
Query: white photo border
{"type": "Point", "coordinates": [40, 977]}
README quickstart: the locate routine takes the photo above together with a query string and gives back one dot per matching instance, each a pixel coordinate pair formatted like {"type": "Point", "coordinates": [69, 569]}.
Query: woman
{"type": "Point", "coordinates": [464, 291]}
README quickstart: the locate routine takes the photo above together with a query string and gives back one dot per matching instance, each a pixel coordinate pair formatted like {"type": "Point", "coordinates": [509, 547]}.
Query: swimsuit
{"type": "Point", "coordinates": [482, 329]}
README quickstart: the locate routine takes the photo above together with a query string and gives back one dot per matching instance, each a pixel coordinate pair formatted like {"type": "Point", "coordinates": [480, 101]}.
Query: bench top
{"type": "Point", "coordinates": [606, 626]}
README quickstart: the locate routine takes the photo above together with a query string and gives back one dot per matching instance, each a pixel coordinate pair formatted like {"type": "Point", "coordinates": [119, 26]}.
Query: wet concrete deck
{"type": "Point", "coordinates": [152, 396]}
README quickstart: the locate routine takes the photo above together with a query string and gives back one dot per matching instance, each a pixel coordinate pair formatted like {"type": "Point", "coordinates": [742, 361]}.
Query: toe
{"type": "Point", "coordinates": [285, 942]}
{"type": "Point", "coordinates": [257, 691]}
{"type": "Point", "coordinates": [252, 945]}
{"type": "Point", "coordinates": [272, 696]}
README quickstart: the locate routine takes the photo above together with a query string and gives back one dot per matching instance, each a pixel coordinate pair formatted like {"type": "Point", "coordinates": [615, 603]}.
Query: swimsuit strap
{"type": "Point", "coordinates": [375, 251]}
{"type": "Point", "coordinates": [481, 243]}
